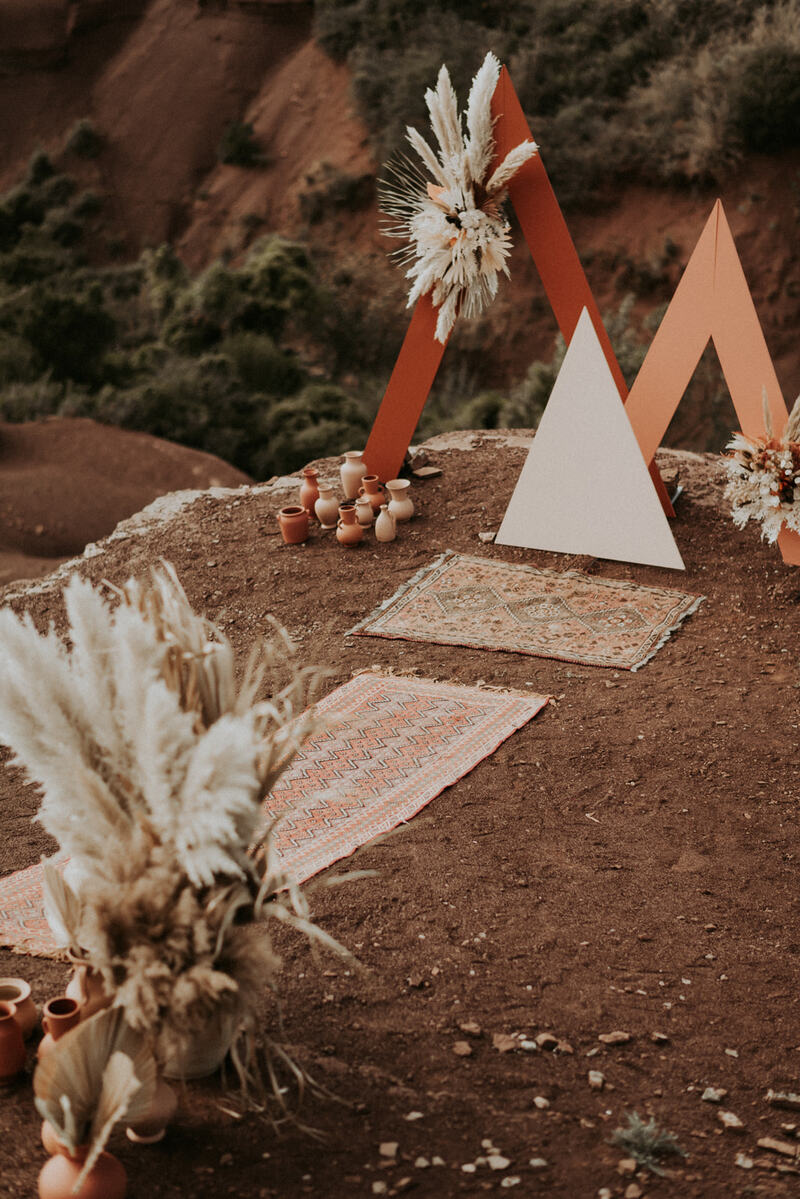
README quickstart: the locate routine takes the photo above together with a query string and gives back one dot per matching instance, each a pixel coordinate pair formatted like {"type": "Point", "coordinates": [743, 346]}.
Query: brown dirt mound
{"type": "Point", "coordinates": [627, 861]}
{"type": "Point", "coordinates": [65, 483]}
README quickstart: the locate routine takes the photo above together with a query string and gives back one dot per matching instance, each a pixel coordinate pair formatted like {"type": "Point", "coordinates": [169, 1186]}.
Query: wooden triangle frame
{"type": "Point", "coordinates": [711, 302]}
{"type": "Point", "coordinates": [562, 275]}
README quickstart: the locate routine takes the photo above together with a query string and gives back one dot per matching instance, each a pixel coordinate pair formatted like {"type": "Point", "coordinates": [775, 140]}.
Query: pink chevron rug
{"type": "Point", "coordinates": [391, 745]}
{"type": "Point", "coordinates": [488, 604]}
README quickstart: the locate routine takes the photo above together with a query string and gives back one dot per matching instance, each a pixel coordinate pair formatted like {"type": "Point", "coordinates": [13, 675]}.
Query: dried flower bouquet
{"type": "Point", "coordinates": [764, 477]}
{"type": "Point", "coordinates": [458, 238]}
{"type": "Point", "coordinates": [153, 764]}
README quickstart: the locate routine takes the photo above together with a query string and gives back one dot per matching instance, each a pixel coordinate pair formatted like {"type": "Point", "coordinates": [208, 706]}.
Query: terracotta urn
{"type": "Point", "coordinates": [365, 513]}
{"type": "Point", "coordinates": [106, 1179]}
{"type": "Point", "coordinates": [327, 507]}
{"type": "Point", "coordinates": [372, 490]}
{"type": "Point", "coordinates": [151, 1126]}
{"type": "Point", "coordinates": [293, 523]}
{"type": "Point", "coordinates": [59, 1015]}
{"type": "Point", "coordinates": [352, 471]}
{"type": "Point", "coordinates": [309, 489]}
{"type": "Point", "coordinates": [86, 987]}
{"type": "Point", "coordinates": [18, 992]}
{"type": "Point", "coordinates": [348, 531]}
{"type": "Point", "coordinates": [12, 1046]}
{"type": "Point", "coordinates": [385, 527]}
{"type": "Point", "coordinates": [401, 505]}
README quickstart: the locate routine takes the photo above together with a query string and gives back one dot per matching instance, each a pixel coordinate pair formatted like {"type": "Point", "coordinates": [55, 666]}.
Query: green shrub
{"type": "Point", "coordinates": [321, 420]}
{"type": "Point", "coordinates": [328, 189]}
{"type": "Point", "coordinates": [84, 139]}
{"type": "Point", "coordinates": [240, 146]}
{"type": "Point", "coordinates": [70, 333]}
{"type": "Point", "coordinates": [765, 105]}
{"type": "Point", "coordinates": [261, 365]}
{"type": "Point", "coordinates": [18, 361]}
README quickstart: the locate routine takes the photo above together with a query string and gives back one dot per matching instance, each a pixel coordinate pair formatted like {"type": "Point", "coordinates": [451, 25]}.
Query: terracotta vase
{"type": "Point", "coordinates": [12, 1046]}
{"type": "Point", "coordinates": [18, 992]}
{"type": "Point", "coordinates": [385, 527]}
{"type": "Point", "coordinates": [364, 512]}
{"type": "Point", "coordinates": [86, 987]}
{"type": "Point", "coordinates": [293, 523]}
{"type": "Point", "coordinates": [309, 489]}
{"type": "Point", "coordinates": [327, 507]}
{"type": "Point", "coordinates": [59, 1015]}
{"type": "Point", "coordinates": [352, 471]}
{"type": "Point", "coordinates": [202, 1054]}
{"type": "Point", "coordinates": [348, 531]}
{"type": "Point", "coordinates": [106, 1179]}
{"type": "Point", "coordinates": [151, 1126]}
{"type": "Point", "coordinates": [372, 490]}
{"type": "Point", "coordinates": [401, 505]}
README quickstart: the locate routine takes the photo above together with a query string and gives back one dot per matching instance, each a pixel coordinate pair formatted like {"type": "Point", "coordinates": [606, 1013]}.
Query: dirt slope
{"type": "Point", "coordinates": [627, 861]}
{"type": "Point", "coordinates": [65, 483]}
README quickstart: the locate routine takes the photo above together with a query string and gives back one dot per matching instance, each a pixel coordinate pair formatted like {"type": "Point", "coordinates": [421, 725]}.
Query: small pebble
{"type": "Point", "coordinates": [471, 1027]}
{"type": "Point", "coordinates": [743, 1161]}
{"type": "Point", "coordinates": [496, 1161]}
{"type": "Point", "coordinates": [732, 1052]}
{"type": "Point", "coordinates": [713, 1094]}
{"type": "Point", "coordinates": [413, 1116]}
{"type": "Point", "coordinates": [660, 1038]}
{"type": "Point", "coordinates": [462, 1049]}
{"type": "Point", "coordinates": [511, 1180]}
{"type": "Point", "coordinates": [604, 1193]}
{"type": "Point", "coordinates": [633, 1191]}
{"type": "Point", "coordinates": [627, 1165]}
{"type": "Point", "coordinates": [469, 1168]}
{"type": "Point", "coordinates": [538, 1163]}
{"type": "Point", "coordinates": [379, 1188]}
{"type": "Point", "coordinates": [730, 1121]}
{"type": "Point", "coordinates": [422, 1163]}
{"type": "Point", "coordinates": [615, 1038]}
{"type": "Point", "coordinates": [436, 1160]}
{"type": "Point", "coordinates": [540, 1102]}
{"type": "Point", "coordinates": [546, 1040]}
{"type": "Point", "coordinates": [389, 1148]}
{"type": "Point", "coordinates": [596, 1080]}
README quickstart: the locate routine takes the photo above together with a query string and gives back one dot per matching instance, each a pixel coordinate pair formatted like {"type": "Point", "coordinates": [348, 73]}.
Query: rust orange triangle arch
{"type": "Point", "coordinates": [712, 302]}
{"type": "Point", "coordinates": [562, 275]}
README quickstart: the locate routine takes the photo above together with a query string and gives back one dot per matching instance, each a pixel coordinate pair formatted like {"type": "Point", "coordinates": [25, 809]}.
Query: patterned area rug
{"type": "Point", "coordinates": [486, 604]}
{"type": "Point", "coordinates": [390, 746]}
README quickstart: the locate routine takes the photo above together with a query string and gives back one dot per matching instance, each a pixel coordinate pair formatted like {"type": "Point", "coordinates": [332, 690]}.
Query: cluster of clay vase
{"type": "Point", "coordinates": [18, 1021]}
{"type": "Point", "coordinates": [367, 502]}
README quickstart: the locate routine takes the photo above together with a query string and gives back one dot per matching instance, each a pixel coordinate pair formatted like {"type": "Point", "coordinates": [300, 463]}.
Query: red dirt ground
{"type": "Point", "coordinates": [627, 861]}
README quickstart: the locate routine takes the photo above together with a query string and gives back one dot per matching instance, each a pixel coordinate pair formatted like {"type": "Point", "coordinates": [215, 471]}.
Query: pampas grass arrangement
{"type": "Point", "coordinates": [458, 239]}
{"type": "Point", "coordinates": [153, 762]}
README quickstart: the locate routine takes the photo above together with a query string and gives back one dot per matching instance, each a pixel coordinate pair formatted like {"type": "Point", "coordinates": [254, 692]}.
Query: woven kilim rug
{"type": "Point", "coordinates": [390, 745]}
{"type": "Point", "coordinates": [486, 604]}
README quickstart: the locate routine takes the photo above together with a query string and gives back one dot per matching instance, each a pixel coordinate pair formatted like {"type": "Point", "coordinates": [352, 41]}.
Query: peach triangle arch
{"type": "Point", "coordinates": [712, 302]}
{"type": "Point", "coordinates": [563, 278]}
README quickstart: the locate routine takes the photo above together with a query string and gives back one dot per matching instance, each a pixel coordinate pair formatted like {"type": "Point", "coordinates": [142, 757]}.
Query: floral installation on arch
{"type": "Point", "coordinates": [153, 760]}
{"type": "Point", "coordinates": [458, 238]}
{"type": "Point", "coordinates": [764, 477]}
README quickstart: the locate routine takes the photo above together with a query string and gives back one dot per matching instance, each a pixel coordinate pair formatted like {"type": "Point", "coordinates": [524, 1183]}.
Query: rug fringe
{"type": "Point", "coordinates": [668, 633]}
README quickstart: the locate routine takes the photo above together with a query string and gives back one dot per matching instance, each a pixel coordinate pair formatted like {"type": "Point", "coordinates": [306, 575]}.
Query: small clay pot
{"type": "Point", "coordinates": [151, 1126]}
{"type": "Point", "coordinates": [327, 507]}
{"type": "Point", "coordinates": [12, 1046]}
{"type": "Point", "coordinates": [352, 471]}
{"type": "Point", "coordinates": [18, 992]}
{"type": "Point", "coordinates": [86, 987]}
{"type": "Point", "coordinates": [385, 527]}
{"type": "Point", "coordinates": [59, 1015]}
{"type": "Point", "coordinates": [401, 506]}
{"type": "Point", "coordinates": [372, 490]}
{"type": "Point", "coordinates": [106, 1179]}
{"type": "Point", "coordinates": [309, 489]}
{"type": "Point", "coordinates": [365, 513]}
{"type": "Point", "coordinates": [348, 531]}
{"type": "Point", "coordinates": [293, 523]}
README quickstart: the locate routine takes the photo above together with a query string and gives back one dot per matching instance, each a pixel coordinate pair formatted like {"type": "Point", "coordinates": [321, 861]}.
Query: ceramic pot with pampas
{"type": "Point", "coordinates": [154, 763]}
{"type": "Point", "coordinates": [98, 1073]}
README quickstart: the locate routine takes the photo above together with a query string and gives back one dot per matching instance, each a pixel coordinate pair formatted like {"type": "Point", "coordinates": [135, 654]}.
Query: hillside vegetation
{"type": "Point", "coordinates": [278, 354]}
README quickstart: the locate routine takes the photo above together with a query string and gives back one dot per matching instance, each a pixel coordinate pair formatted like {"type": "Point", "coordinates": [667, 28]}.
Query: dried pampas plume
{"type": "Point", "coordinates": [458, 239]}
{"type": "Point", "coordinates": [153, 762]}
